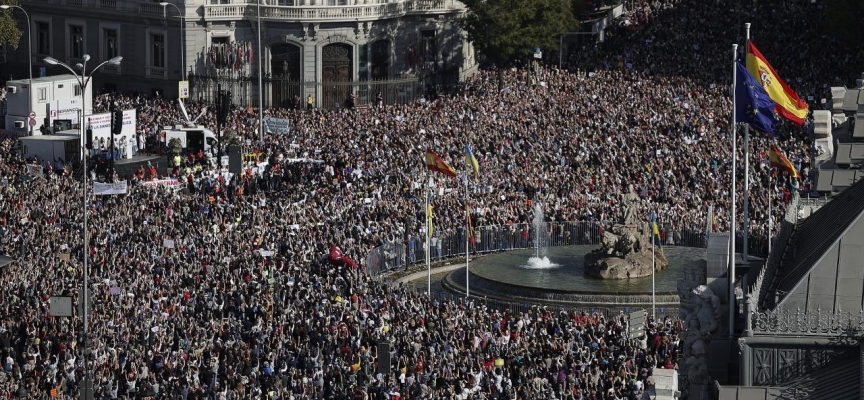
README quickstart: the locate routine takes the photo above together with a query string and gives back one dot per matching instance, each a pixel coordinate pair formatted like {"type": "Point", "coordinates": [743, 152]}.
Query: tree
{"type": "Point", "coordinates": [9, 32]}
{"type": "Point", "coordinates": [505, 31]}
{"type": "Point", "coordinates": [843, 17]}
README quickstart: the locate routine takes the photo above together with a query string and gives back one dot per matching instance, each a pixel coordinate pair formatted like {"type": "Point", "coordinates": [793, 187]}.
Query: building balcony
{"type": "Point", "coordinates": [140, 7]}
{"type": "Point", "coordinates": [308, 13]}
{"type": "Point", "coordinates": [156, 72]}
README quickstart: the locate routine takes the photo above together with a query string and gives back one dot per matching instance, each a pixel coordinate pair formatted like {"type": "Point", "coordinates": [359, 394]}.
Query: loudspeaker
{"type": "Point", "coordinates": [117, 123]}
{"type": "Point", "coordinates": [235, 160]}
{"type": "Point", "coordinates": [224, 108]}
{"type": "Point", "coordinates": [89, 140]}
{"type": "Point", "coordinates": [384, 358]}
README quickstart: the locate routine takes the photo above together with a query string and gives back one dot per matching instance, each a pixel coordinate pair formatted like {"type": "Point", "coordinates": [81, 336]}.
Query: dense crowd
{"type": "Point", "coordinates": [224, 290]}
{"type": "Point", "coordinates": [210, 315]}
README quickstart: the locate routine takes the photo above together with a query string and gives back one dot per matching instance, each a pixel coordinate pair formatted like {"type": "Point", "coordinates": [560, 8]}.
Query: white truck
{"type": "Point", "coordinates": [49, 148]}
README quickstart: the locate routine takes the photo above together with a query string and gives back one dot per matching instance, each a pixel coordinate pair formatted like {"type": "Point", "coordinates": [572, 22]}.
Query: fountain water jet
{"type": "Point", "coordinates": [541, 243]}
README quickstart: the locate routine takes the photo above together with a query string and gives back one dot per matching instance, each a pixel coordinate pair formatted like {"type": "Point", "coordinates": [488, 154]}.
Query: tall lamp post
{"type": "Point", "coordinates": [83, 80]}
{"type": "Point", "coordinates": [260, 86]}
{"type": "Point", "coordinates": [29, 59]}
{"type": "Point", "coordinates": [164, 5]}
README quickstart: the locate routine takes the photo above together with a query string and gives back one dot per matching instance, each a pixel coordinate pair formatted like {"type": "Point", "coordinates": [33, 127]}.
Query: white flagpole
{"type": "Point", "coordinates": [467, 242]}
{"type": "Point", "coordinates": [746, 227]}
{"type": "Point", "coordinates": [734, 219]}
{"type": "Point", "coordinates": [428, 249]}
{"type": "Point", "coordinates": [770, 213]}
{"type": "Point", "coordinates": [653, 270]}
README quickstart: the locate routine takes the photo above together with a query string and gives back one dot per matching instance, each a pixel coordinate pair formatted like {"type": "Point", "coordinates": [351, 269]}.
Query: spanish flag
{"type": "Point", "coordinates": [435, 163]}
{"type": "Point", "coordinates": [777, 159]}
{"type": "Point", "coordinates": [789, 105]}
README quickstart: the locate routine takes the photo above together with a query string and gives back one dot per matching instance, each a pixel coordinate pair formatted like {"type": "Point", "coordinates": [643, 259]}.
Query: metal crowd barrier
{"type": "Point", "coordinates": [496, 238]}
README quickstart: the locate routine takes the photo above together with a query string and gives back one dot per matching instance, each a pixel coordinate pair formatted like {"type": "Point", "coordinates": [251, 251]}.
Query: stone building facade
{"type": "Point", "coordinates": [314, 43]}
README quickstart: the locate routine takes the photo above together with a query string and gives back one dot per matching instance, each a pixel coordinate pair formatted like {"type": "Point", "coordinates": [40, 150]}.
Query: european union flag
{"type": "Point", "coordinates": [752, 103]}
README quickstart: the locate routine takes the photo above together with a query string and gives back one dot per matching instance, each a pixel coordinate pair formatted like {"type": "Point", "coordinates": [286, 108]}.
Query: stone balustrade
{"type": "Point", "coordinates": [313, 11]}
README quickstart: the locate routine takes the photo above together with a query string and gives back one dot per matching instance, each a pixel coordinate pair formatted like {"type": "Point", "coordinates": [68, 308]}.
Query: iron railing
{"type": "Point", "coordinates": [495, 238]}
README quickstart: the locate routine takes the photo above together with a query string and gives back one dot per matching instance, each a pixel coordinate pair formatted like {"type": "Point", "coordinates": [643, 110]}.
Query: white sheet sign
{"type": "Point", "coordinates": [277, 125]}
{"type": "Point", "coordinates": [102, 189]}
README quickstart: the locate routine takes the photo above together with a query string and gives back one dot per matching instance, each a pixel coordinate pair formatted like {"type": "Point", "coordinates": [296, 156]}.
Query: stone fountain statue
{"type": "Point", "coordinates": [625, 248]}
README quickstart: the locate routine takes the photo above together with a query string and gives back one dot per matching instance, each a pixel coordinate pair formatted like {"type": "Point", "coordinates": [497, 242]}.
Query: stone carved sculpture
{"type": "Point", "coordinates": [625, 252]}
{"type": "Point", "coordinates": [701, 312]}
{"type": "Point", "coordinates": [630, 206]}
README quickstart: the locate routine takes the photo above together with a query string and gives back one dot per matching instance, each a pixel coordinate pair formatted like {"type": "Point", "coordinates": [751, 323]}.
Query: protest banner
{"type": "Point", "coordinates": [277, 125]}
{"type": "Point", "coordinates": [102, 189]}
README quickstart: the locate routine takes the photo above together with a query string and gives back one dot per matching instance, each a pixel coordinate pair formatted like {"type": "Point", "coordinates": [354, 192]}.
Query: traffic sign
{"type": "Point", "coordinates": [32, 121]}
{"type": "Point", "coordinates": [183, 88]}
{"type": "Point", "coordinates": [32, 115]}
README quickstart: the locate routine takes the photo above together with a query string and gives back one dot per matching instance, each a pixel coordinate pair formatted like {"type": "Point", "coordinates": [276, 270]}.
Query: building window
{"type": "Point", "coordinates": [286, 3]}
{"type": "Point", "coordinates": [109, 43]}
{"type": "Point", "coordinates": [338, 3]}
{"type": "Point", "coordinates": [76, 41]}
{"type": "Point", "coordinates": [220, 1]}
{"type": "Point", "coordinates": [43, 37]}
{"type": "Point", "coordinates": [157, 50]}
{"type": "Point", "coordinates": [43, 94]}
{"type": "Point", "coordinates": [77, 89]}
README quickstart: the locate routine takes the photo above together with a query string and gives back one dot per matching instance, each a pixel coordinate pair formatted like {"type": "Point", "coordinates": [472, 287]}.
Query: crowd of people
{"type": "Point", "coordinates": [223, 290]}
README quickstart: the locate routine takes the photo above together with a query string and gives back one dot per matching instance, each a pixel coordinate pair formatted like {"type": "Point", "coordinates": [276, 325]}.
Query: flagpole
{"type": "Point", "coordinates": [734, 219]}
{"type": "Point", "coordinates": [746, 227]}
{"type": "Point", "coordinates": [467, 242]}
{"type": "Point", "coordinates": [428, 235]}
{"type": "Point", "coordinates": [770, 211]}
{"type": "Point", "coordinates": [653, 270]}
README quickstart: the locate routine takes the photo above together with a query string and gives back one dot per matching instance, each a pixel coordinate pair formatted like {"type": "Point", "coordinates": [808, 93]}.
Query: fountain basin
{"type": "Point", "coordinates": [507, 276]}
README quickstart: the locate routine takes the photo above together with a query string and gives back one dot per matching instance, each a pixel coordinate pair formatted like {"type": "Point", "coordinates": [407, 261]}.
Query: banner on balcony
{"type": "Point", "coordinates": [233, 55]}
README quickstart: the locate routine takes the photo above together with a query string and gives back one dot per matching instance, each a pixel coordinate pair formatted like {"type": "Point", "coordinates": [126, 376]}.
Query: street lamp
{"type": "Point", "coordinates": [83, 80]}
{"type": "Point", "coordinates": [29, 59]}
{"type": "Point", "coordinates": [260, 87]}
{"type": "Point", "coordinates": [165, 4]}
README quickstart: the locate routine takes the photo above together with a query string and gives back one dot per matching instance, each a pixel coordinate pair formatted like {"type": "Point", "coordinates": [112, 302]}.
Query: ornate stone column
{"type": "Point", "coordinates": [745, 368]}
